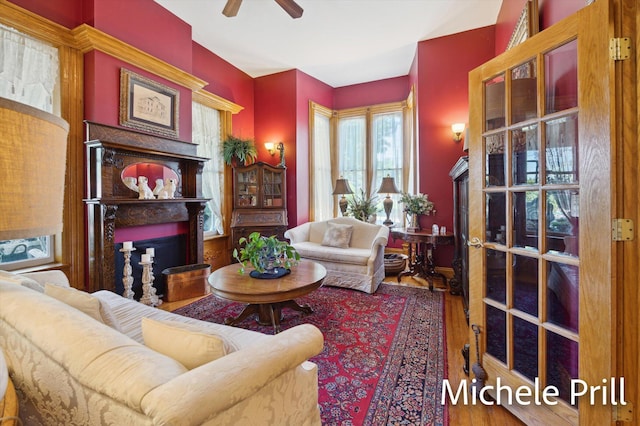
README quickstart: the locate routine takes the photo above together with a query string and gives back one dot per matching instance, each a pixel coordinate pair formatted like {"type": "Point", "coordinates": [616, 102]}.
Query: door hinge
{"type": "Point", "coordinates": [620, 48]}
{"type": "Point", "coordinates": [622, 230]}
{"type": "Point", "coordinates": [623, 413]}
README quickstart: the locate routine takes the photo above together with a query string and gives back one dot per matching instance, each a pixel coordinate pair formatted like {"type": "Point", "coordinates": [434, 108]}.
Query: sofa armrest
{"type": "Point", "coordinates": [381, 238]}
{"type": "Point", "coordinates": [216, 386]}
{"type": "Point", "coordinates": [298, 234]}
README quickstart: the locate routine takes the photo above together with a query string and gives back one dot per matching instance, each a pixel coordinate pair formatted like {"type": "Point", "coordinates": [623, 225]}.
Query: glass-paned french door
{"type": "Point", "coordinates": [540, 155]}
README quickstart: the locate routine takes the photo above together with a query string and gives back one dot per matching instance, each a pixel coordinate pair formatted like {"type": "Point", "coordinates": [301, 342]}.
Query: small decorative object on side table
{"type": "Point", "coordinates": [415, 205]}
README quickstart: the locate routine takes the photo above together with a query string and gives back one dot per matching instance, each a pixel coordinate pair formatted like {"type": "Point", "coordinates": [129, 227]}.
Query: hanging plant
{"type": "Point", "coordinates": [238, 151]}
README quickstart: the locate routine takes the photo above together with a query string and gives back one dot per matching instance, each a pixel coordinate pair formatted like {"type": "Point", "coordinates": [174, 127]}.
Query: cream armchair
{"type": "Point", "coordinates": [351, 250]}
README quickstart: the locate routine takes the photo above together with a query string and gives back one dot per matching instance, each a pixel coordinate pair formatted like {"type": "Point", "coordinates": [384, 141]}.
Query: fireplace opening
{"type": "Point", "coordinates": [169, 252]}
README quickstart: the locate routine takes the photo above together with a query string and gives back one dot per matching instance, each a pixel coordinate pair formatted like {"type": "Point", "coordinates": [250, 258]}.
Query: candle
{"type": "Point", "coordinates": [146, 258]}
{"type": "Point", "coordinates": [127, 245]}
{"type": "Point", "coordinates": [151, 251]}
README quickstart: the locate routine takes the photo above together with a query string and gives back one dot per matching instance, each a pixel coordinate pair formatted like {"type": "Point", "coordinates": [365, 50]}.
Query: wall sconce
{"type": "Point", "coordinates": [342, 187]}
{"type": "Point", "coordinates": [457, 130]}
{"type": "Point", "coordinates": [388, 186]}
{"type": "Point", "coordinates": [272, 146]}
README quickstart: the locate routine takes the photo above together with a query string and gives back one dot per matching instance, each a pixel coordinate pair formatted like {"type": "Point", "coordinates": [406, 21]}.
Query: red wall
{"type": "Point", "coordinates": [229, 82]}
{"type": "Point", "coordinates": [68, 13]}
{"type": "Point", "coordinates": [372, 93]}
{"type": "Point", "coordinates": [276, 106]}
{"type": "Point", "coordinates": [149, 27]}
{"type": "Point", "coordinates": [549, 11]}
{"type": "Point", "coordinates": [308, 89]}
{"type": "Point", "coordinates": [282, 115]}
{"type": "Point", "coordinates": [552, 11]}
{"type": "Point", "coordinates": [443, 100]}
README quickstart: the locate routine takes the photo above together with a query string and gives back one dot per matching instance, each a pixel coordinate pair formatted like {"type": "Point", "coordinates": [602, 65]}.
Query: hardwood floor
{"type": "Point", "coordinates": [457, 336]}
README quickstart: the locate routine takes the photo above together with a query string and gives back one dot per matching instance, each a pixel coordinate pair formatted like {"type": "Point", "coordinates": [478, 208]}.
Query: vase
{"type": "Point", "coordinates": [414, 223]}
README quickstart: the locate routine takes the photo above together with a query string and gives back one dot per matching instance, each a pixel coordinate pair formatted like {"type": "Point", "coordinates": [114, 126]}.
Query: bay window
{"type": "Point", "coordinates": [367, 144]}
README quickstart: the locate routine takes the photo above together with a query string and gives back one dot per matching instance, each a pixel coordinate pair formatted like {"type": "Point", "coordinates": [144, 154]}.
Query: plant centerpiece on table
{"type": "Point", "coordinates": [415, 205]}
{"type": "Point", "coordinates": [267, 255]}
{"type": "Point", "coordinates": [238, 151]}
{"type": "Point", "coordinates": [362, 207]}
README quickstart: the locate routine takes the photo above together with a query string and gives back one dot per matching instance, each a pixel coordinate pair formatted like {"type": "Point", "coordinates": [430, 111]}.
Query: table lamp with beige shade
{"type": "Point", "coordinates": [32, 171]}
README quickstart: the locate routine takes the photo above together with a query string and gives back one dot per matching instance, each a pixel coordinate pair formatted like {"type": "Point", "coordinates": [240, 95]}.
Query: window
{"type": "Point", "coordinates": [320, 170]}
{"type": "Point", "coordinates": [372, 144]}
{"type": "Point", "coordinates": [29, 75]}
{"type": "Point", "coordinates": [206, 131]}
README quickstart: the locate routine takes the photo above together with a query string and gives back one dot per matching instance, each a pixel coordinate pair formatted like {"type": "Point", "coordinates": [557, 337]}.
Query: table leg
{"type": "Point", "coordinates": [269, 314]}
{"type": "Point", "coordinates": [248, 310]}
{"type": "Point", "coordinates": [416, 260]}
{"type": "Point", "coordinates": [430, 270]}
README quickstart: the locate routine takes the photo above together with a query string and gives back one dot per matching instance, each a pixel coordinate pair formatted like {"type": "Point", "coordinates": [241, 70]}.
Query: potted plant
{"type": "Point", "coordinates": [265, 254]}
{"type": "Point", "coordinates": [362, 207]}
{"type": "Point", "coordinates": [238, 151]}
{"type": "Point", "coordinates": [415, 205]}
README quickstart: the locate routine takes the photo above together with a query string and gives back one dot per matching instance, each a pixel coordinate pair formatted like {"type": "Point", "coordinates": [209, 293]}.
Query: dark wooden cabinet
{"type": "Point", "coordinates": [460, 281]}
{"type": "Point", "coordinates": [259, 201]}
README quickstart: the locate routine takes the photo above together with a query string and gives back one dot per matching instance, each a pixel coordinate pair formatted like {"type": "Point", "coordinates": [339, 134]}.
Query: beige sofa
{"type": "Point", "coordinates": [71, 369]}
{"type": "Point", "coordinates": [359, 264]}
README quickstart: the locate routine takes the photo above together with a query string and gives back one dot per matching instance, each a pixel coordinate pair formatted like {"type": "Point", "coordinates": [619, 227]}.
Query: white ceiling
{"type": "Point", "coordinates": [339, 42]}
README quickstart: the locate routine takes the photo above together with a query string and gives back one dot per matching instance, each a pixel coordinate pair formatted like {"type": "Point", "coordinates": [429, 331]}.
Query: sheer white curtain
{"type": "Point", "coordinates": [206, 133]}
{"type": "Point", "coordinates": [352, 140]}
{"type": "Point", "coordinates": [321, 168]}
{"type": "Point", "coordinates": [387, 141]}
{"type": "Point", "coordinates": [28, 70]}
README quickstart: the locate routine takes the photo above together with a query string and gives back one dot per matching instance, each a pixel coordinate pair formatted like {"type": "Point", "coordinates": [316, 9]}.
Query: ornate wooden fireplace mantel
{"type": "Point", "coordinates": [111, 204]}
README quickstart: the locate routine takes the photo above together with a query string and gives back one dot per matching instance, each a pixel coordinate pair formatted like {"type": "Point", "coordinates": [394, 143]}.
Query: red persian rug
{"type": "Point", "coordinates": [385, 354]}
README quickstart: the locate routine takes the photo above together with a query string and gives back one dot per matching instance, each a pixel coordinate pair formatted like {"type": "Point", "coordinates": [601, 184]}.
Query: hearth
{"type": "Point", "coordinates": [169, 252]}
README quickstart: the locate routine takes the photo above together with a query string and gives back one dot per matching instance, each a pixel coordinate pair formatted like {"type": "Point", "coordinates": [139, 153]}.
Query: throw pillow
{"type": "Point", "coordinates": [21, 280]}
{"type": "Point", "coordinates": [84, 302]}
{"type": "Point", "coordinates": [337, 235]}
{"type": "Point", "coordinates": [182, 342]}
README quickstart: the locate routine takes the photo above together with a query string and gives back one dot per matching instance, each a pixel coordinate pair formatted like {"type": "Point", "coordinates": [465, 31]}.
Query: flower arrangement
{"type": "Point", "coordinates": [416, 204]}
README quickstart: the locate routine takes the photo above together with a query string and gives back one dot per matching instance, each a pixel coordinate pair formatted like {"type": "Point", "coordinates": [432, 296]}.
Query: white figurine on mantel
{"type": "Point", "coordinates": [130, 182]}
{"type": "Point", "coordinates": [144, 192]}
{"type": "Point", "coordinates": [158, 187]}
{"type": "Point", "coordinates": [168, 190]}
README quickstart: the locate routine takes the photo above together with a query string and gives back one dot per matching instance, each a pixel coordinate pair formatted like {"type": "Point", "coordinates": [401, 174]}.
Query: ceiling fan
{"type": "Point", "coordinates": [289, 6]}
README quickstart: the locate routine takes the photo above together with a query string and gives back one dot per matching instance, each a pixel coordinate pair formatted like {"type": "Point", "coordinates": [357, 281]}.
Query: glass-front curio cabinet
{"type": "Point", "coordinates": [259, 201]}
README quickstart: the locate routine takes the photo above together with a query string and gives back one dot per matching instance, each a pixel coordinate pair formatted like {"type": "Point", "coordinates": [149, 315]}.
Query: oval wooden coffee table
{"type": "Point", "coordinates": [267, 297]}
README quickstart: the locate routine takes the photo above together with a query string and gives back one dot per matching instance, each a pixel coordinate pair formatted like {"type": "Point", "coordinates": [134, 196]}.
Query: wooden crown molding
{"type": "Point", "coordinates": [216, 102]}
{"type": "Point", "coordinates": [35, 25]}
{"type": "Point", "coordinates": [89, 38]}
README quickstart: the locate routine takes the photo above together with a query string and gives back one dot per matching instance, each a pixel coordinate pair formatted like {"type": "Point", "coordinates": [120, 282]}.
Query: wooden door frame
{"type": "Point", "coordinates": [601, 355]}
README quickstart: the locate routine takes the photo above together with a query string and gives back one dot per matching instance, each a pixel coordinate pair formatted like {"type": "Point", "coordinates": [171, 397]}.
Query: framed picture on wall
{"type": "Point", "coordinates": [147, 105]}
{"type": "Point", "coordinates": [527, 24]}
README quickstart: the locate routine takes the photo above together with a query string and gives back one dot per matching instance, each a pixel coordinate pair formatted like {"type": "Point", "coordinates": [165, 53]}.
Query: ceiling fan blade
{"type": "Point", "coordinates": [231, 8]}
{"type": "Point", "coordinates": [291, 7]}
